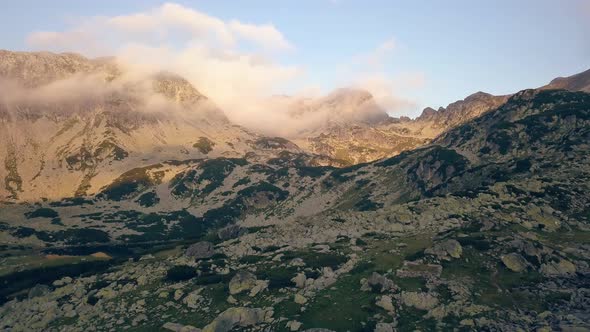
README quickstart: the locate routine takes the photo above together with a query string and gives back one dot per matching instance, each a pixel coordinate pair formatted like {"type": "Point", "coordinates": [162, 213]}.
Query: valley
{"type": "Point", "coordinates": [471, 217]}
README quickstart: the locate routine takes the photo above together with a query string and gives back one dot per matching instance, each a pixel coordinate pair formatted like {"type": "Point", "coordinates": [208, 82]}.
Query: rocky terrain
{"type": "Point", "coordinates": [354, 129]}
{"type": "Point", "coordinates": [108, 122]}
{"type": "Point", "coordinates": [485, 226]}
{"type": "Point", "coordinates": [111, 121]}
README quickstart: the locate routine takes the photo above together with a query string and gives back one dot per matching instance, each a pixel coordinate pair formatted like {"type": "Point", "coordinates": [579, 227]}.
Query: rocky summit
{"type": "Point", "coordinates": [139, 206]}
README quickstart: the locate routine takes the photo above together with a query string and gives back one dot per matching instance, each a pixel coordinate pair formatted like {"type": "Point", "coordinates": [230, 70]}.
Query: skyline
{"type": "Point", "coordinates": [410, 56]}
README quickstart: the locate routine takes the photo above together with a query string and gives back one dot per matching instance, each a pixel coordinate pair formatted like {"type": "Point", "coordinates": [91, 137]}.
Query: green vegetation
{"type": "Point", "coordinates": [204, 145]}
{"type": "Point", "coordinates": [212, 171]}
{"type": "Point", "coordinates": [42, 213]}
{"type": "Point", "coordinates": [278, 277]}
{"type": "Point", "coordinates": [148, 199]}
{"type": "Point", "coordinates": [132, 182]}
{"type": "Point", "coordinates": [317, 260]}
{"type": "Point", "coordinates": [71, 201]}
{"type": "Point", "coordinates": [108, 149]}
{"type": "Point", "coordinates": [70, 236]}
{"type": "Point", "coordinates": [273, 143]}
{"type": "Point", "coordinates": [180, 272]}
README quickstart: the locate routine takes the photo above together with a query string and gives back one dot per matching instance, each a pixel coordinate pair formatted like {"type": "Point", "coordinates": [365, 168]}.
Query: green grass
{"type": "Point", "coordinates": [342, 307]}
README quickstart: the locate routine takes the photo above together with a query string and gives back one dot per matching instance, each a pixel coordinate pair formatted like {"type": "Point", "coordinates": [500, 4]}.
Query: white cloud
{"type": "Point", "coordinates": [384, 90]}
{"type": "Point", "coordinates": [266, 35]}
{"type": "Point", "coordinates": [367, 71]}
{"type": "Point", "coordinates": [376, 57]}
{"type": "Point", "coordinates": [204, 49]}
{"type": "Point", "coordinates": [209, 52]}
{"type": "Point", "coordinates": [166, 21]}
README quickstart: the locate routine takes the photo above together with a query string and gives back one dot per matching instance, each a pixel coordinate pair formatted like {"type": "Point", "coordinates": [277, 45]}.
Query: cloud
{"type": "Point", "coordinates": [266, 35]}
{"type": "Point", "coordinates": [367, 71]}
{"type": "Point", "coordinates": [230, 61]}
{"type": "Point", "coordinates": [206, 50]}
{"type": "Point", "coordinates": [376, 57]}
{"type": "Point", "coordinates": [384, 90]}
{"type": "Point", "coordinates": [161, 23]}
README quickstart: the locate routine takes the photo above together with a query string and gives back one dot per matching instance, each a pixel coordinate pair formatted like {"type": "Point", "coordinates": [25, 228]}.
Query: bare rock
{"type": "Point", "coordinates": [514, 262]}
{"type": "Point", "coordinates": [419, 300]}
{"type": "Point", "coordinates": [242, 281]}
{"type": "Point", "coordinates": [231, 232]}
{"type": "Point", "coordinates": [379, 283]}
{"type": "Point", "coordinates": [200, 250]}
{"type": "Point", "coordinates": [239, 317]}
{"type": "Point", "coordinates": [446, 250]}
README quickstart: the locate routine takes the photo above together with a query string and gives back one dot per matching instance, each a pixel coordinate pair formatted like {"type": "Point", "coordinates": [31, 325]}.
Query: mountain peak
{"type": "Point", "coordinates": [462, 110]}
{"type": "Point", "coordinates": [33, 69]}
{"type": "Point", "coordinates": [176, 88]}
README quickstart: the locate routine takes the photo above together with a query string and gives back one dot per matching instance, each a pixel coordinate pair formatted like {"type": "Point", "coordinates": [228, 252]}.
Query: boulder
{"type": "Point", "coordinates": [231, 232]}
{"type": "Point", "coordinates": [514, 262]}
{"type": "Point", "coordinates": [294, 325]}
{"type": "Point", "coordinates": [179, 327]}
{"type": "Point", "coordinates": [384, 327]}
{"type": "Point", "coordinates": [562, 267]}
{"type": "Point", "coordinates": [200, 250]}
{"type": "Point", "coordinates": [379, 283]}
{"type": "Point", "coordinates": [239, 317]}
{"type": "Point", "coordinates": [260, 286]}
{"type": "Point", "coordinates": [178, 294]}
{"type": "Point", "coordinates": [386, 303]}
{"type": "Point", "coordinates": [38, 290]}
{"type": "Point", "coordinates": [63, 281]}
{"type": "Point", "coordinates": [300, 299]}
{"type": "Point", "coordinates": [446, 249]}
{"type": "Point", "coordinates": [193, 299]}
{"type": "Point", "coordinates": [419, 300]}
{"type": "Point", "coordinates": [299, 280]}
{"type": "Point", "coordinates": [242, 281]}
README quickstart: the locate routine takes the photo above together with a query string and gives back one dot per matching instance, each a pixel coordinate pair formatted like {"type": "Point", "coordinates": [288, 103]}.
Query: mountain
{"type": "Point", "coordinates": [484, 228]}
{"type": "Point", "coordinates": [81, 123]}
{"type": "Point", "coordinates": [578, 82]}
{"type": "Point", "coordinates": [357, 130]}
{"type": "Point", "coordinates": [460, 111]}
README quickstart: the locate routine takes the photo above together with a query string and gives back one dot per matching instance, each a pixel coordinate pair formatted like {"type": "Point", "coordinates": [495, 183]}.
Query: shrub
{"type": "Point", "coordinates": [42, 213]}
{"type": "Point", "coordinates": [180, 272]}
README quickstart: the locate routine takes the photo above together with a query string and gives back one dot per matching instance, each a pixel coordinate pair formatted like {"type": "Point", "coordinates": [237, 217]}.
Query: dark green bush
{"type": "Point", "coordinates": [181, 272]}
{"type": "Point", "coordinates": [42, 213]}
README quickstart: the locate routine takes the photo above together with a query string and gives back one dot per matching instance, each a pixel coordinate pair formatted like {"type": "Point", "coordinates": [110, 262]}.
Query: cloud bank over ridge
{"type": "Point", "coordinates": [232, 62]}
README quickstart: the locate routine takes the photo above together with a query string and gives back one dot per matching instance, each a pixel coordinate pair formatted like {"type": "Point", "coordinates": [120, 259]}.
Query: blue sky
{"type": "Point", "coordinates": [439, 51]}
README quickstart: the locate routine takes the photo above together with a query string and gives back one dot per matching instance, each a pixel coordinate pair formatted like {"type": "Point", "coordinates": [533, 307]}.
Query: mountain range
{"type": "Point", "coordinates": [132, 202]}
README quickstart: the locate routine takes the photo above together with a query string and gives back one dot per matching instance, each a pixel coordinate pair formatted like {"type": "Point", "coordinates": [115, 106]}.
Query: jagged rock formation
{"type": "Point", "coordinates": [372, 134]}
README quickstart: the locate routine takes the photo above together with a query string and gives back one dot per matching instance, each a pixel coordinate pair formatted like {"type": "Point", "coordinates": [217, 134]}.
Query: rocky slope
{"type": "Point", "coordinates": [486, 228]}
{"type": "Point", "coordinates": [69, 125]}
{"type": "Point", "coordinates": [371, 134]}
